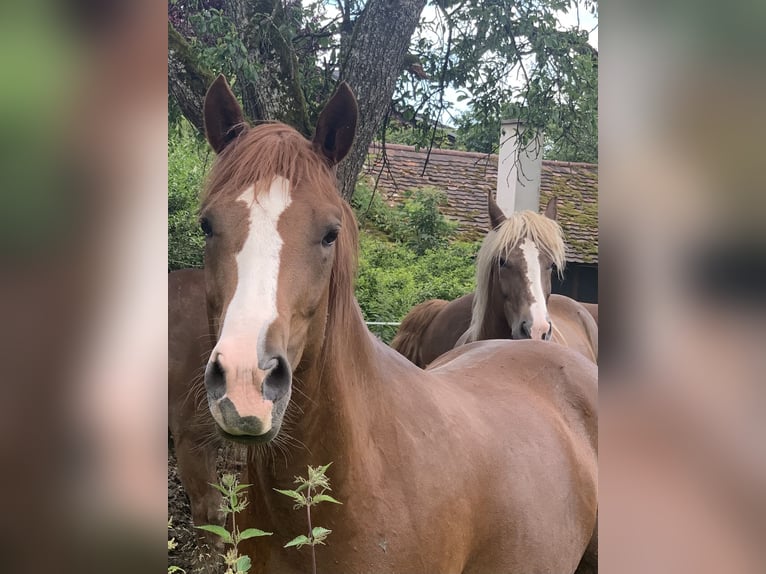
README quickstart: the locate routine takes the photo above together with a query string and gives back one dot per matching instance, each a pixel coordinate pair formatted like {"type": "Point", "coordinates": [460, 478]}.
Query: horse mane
{"type": "Point", "coordinates": [408, 338]}
{"type": "Point", "coordinates": [546, 234]}
{"type": "Point", "coordinates": [345, 322]}
{"type": "Point", "coordinates": [275, 149]}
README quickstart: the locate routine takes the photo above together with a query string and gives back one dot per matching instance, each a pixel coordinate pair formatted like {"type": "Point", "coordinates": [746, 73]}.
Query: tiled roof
{"type": "Point", "coordinates": [467, 177]}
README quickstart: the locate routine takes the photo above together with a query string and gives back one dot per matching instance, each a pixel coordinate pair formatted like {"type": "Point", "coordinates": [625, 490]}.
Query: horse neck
{"type": "Point", "coordinates": [331, 400]}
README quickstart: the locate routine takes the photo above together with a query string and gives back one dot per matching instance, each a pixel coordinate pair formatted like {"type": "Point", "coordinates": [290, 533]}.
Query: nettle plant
{"type": "Point", "coordinates": [234, 502]}
{"type": "Point", "coordinates": [311, 490]}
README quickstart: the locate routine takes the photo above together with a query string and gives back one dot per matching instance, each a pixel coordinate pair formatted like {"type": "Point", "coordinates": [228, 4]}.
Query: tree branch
{"type": "Point", "coordinates": [188, 79]}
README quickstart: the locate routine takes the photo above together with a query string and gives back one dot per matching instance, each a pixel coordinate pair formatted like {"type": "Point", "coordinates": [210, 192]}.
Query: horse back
{"type": "Point", "coordinates": [409, 339]}
{"type": "Point", "coordinates": [446, 329]}
{"type": "Point", "coordinates": [574, 325]}
{"type": "Point", "coordinates": [592, 308]}
{"type": "Point", "coordinates": [492, 369]}
{"type": "Point", "coordinates": [542, 400]}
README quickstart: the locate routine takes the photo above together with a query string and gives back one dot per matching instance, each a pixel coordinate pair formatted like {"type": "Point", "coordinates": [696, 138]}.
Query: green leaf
{"type": "Point", "coordinates": [243, 564]}
{"type": "Point", "coordinates": [298, 541]}
{"type": "Point", "coordinates": [218, 531]}
{"type": "Point", "coordinates": [252, 533]}
{"type": "Point", "coordinates": [319, 534]}
{"type": "Point", "coordinates": [219, 488]}
{"type": "Point", "coordinates": [324, 498]}
{"type": "Point", "coordinates": [297, 496]}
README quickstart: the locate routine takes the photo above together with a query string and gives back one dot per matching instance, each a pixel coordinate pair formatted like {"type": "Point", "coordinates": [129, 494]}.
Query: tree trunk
{"type": "Point", "coordinates": [372, 66]}
{"type": "Point", "coordinates": [188, 80]}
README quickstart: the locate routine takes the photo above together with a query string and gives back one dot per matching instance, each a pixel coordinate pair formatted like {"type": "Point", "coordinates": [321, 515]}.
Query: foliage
{"type": "Point", "coordinates": [310, 492]}
{"type": "Point", "coordinates": [392, 278]}
{"type": "Point", "coordinates": [187, 163]}
{"type": "Point", "coordinates": [479, 128]}
{"type": "Point", "coordinates": [234, 501]}
{"type": "Point", "coordinates": [406, 256]}
{"type": "Point", "coordinates": [499, 53]}
{"type": "Point", "coordinates": [489, 54]}
{"type": "Point", "coordinates": [419, 133]}
{"type": "Point", "coordinates": [416, 222]}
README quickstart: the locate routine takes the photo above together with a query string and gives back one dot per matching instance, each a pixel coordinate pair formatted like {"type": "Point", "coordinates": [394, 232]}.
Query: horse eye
{"type": "Point", "coordinates": [501, 261]}
{"type": "Point", "coordinates": [330, 238]}
{"type": "Point", "coordinates": [207, 229]}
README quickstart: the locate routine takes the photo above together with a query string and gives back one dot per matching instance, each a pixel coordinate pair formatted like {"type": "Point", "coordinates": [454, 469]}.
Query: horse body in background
{"type": "Point", "coordinates": [592, 308]}
{"type": "Point", "coordinates": [513, 295]}
{"type": "Point", "coordinates": [194, 434]}
{"type": "Point", "coordinates": [485, 462]}
{"type": "Point", "coordinates": [574, 325]}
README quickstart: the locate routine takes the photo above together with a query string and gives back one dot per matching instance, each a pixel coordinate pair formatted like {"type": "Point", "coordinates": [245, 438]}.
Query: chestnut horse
{"type": "Point", "coordinates": [513, 295]}
{"type": "Point", "coordinates": [592, 308]}
{"type": "Point", "coordinates": [486, 462]}
{"type": "Point", "coordinates": [195, 439]}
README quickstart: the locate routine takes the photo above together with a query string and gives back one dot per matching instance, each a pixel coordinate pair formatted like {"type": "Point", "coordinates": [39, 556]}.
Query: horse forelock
{"type": "Point", "coordinates": [545, 232]}
{"type": "Point", "coordinates": [262, 153]}
{"type": "Point", "coordinates": [499, 242]}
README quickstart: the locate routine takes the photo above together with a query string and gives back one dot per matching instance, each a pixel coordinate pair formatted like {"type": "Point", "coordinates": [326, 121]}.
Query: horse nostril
{"type": "Point", "coordinates": [277, 381]}
{"type": "Point", "coordinates": [525, 329]}
{"type": "Point", "coordinates": [215, 379]}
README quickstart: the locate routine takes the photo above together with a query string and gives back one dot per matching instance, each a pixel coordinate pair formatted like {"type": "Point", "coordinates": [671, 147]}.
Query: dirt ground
{"type": "Point", "coordinates": [186, 554]}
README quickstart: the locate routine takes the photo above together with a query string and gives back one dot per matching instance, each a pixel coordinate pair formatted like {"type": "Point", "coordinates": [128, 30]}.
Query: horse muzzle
{"type": "Point", "coordinates": [540, 330]}
{"type": "Point", "coordinates": [248, 402]}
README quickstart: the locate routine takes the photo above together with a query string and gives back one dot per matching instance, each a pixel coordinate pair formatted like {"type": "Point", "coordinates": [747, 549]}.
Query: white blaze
{"type": "Point", "coordinates": [254, 304]}
{"type": "Point", "coordinates": [538, 309]}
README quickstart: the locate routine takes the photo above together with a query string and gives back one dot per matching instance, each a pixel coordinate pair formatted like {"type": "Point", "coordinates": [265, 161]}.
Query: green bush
{"type": "Point", "coordinates": [416, 222]}
{"type": "Point", "coordinates": [188, 159]}
{"type": "Point", "coordinates": [393, 278]}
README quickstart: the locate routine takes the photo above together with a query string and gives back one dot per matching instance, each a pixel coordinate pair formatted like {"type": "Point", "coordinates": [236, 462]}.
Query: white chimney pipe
{"type": "Point", "coordinates": [518, 170]}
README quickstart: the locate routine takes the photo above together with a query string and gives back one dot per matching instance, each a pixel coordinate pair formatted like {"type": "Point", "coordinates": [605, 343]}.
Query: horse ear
{"type": "Point", "coordinates": [552, 210]}
{"type": "Point", "coordinates": [496, 215]}
{"type": "Point", "coordinates": [337, 125]}
{"type": "Point", "coordinates": [224, 120]}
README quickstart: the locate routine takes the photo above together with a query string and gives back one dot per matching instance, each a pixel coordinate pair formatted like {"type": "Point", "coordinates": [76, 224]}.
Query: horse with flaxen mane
{"type": "Point", "coordinates": [513, 295]}
{"type": "Point", "coordinates": [485, 462]}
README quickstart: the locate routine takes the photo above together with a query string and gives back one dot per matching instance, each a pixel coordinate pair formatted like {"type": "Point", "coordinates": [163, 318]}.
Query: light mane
{"type": "Point", "coordinates": [499, 242]}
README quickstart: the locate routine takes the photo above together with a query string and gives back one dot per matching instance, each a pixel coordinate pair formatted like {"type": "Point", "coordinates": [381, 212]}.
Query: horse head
{"type": "Point", "coordinates": [274, 224]}
{"type": "Point", "coordinates": [514, 271]}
